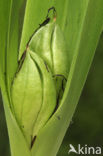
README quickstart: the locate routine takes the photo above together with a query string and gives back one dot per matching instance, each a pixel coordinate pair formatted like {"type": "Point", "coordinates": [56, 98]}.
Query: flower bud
{"type": "Point", "coordinates": [40, 80]}
{"type": "Point", "coordinates": [33, 95]}
{"type": "Point", "coordinates": [49, 43]}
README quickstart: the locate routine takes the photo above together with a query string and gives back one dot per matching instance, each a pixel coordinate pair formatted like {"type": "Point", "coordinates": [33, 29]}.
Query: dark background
{"type": "Point", "coordinates": [87, 123]}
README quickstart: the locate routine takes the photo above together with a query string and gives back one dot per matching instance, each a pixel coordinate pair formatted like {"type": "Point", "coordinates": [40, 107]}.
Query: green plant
{"type": "Point", "coordinates": [81, 22]}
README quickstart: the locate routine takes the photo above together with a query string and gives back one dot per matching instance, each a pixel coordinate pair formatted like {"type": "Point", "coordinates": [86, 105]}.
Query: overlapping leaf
{"type": "Point", "coordinates": [81, 22]}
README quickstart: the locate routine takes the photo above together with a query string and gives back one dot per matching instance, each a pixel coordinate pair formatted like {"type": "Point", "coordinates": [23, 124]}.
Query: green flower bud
{"type": "Point", "coordinates": [40, 80]}
{"type": "Point", "coordinates": [49, 43]}
{"type": "Point", "coordinates": [33, 95]}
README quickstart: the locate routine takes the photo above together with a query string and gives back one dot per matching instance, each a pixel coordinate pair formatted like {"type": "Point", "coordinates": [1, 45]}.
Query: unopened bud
{"type": "Point", "coordinates": [49, 43]}
{"type": "Point", "coordinates": [40, 80]}
{"type": "Point", "coordinates": [33, 95]}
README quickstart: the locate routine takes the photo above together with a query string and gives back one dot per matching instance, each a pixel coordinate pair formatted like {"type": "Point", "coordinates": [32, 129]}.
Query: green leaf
{"type": "Point", "coordinates": [81, 22]}
{"type": "Point", "coordinates": [17, 141]}
{"type": "Point", "coordinates": [13, 39]}
{"type": "Point", "coordinates": [86, 43]}
{"type": "Point", "coordinates": [4, 20]}
{"type": "Point", "coordinates": [10, 15]}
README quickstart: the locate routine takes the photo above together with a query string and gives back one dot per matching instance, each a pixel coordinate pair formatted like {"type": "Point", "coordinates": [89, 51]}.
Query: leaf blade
{"type": "Point", "coordinates": [75, 83]}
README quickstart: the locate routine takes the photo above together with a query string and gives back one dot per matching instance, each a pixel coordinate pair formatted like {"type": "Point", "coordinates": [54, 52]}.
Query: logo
{"type": "Point", "coordinates": [86, 150]}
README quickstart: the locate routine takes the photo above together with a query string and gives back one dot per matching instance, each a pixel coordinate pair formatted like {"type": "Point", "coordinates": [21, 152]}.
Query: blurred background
{"type": "Point", "coordinates": [87, 123]}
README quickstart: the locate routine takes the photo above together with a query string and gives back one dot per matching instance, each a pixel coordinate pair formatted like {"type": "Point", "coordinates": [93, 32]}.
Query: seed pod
{"type": "Point", "coordinates": [49, 43]}
{"type": "Point", "coordinates": [33, 95]}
